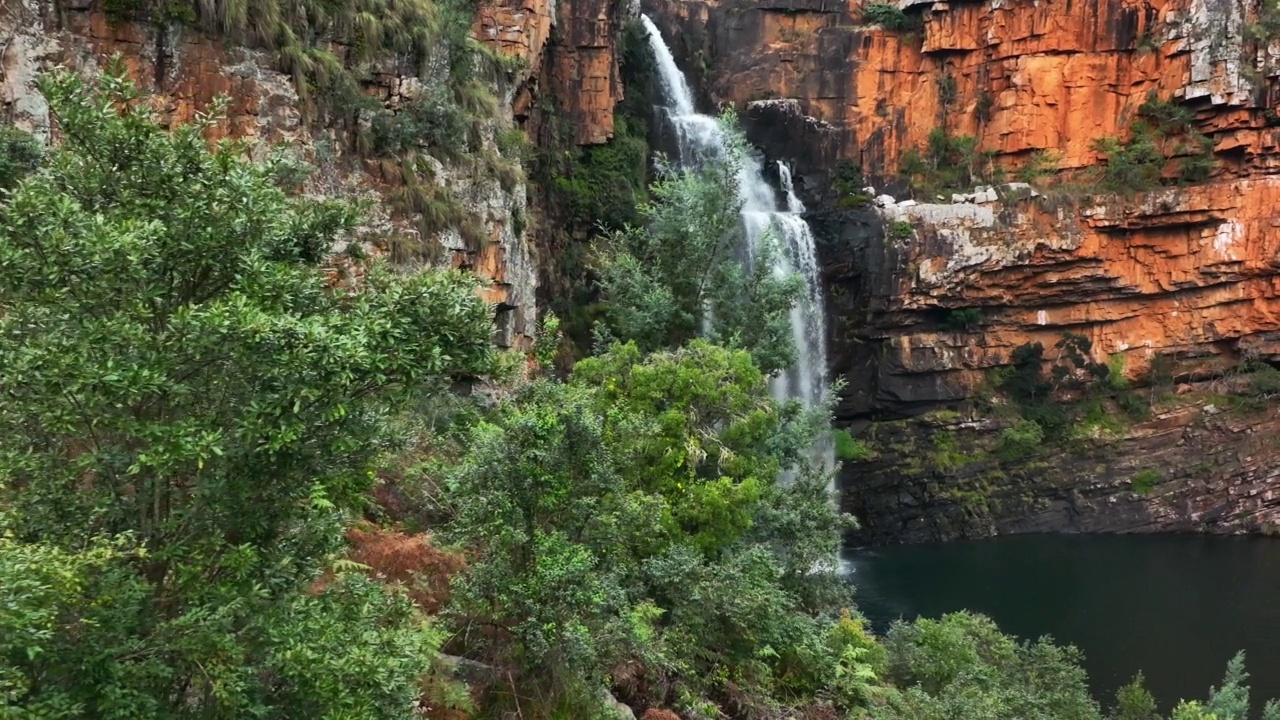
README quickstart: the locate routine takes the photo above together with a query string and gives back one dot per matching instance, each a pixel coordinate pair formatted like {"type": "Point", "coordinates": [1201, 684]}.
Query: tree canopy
{"type": "Point", "coordinates": [191, 406]}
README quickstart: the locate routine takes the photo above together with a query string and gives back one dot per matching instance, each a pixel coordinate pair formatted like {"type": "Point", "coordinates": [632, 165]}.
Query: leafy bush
{"type": "Point", "coordinates": [661, 278]}
{"type": "Point", "coordinates": [659, 545]}
{"type": "Point", "coordinates": [605, 184]}
{"type": "Point", "coordinates": [1264, 380]}
{"type": "Point", "coordinates": [1132, 165]}
{"type": "Point", "coordinates": [1198, 166]}
{"type": "Point", "coordinates": [1166, 117]}
{"type": "Point", "coordinates": [962, 666]}
{"type": "Point", "coordinates": [1133, 405]}
{"type": "Point", "coordinates": [198, 408]}
{"type": "Point", "coordinates": [848, 448]}
{"type": "Point", "coordinates": [433, 120]}
{"type": "Point", "coordinates": [963, 319]}
{"type": "Point", "coordinates": [1025, 381]}
{"type": "Point", "coordinates": [1138, 163]}
{"type": "Point", "coordinates": [1039, 165]}
{"type": "Point", "coordinates": [1144, 481]}
{"type": "Point", "coordinates": [1017, 441]}
{"type": "Point", "coordinates": [847, 182]}
{"type": "Point", "coordinates": [20, 153]}
{"type": "Point", "coordinates": [889, 17]}
{"type": "Point", "coordinates": [1135, 702]}
{"type": "Point", "coordinates": [901, 230]}
{"type": "Point", "coordinates": [948, 163]}
{"type": "Point", "coordinates": [1074, 368]}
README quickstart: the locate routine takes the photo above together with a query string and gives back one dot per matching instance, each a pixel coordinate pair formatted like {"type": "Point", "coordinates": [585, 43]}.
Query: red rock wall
{"type": "Point", "coordinates": [1191, 272]}
{"type": "Point", "coordinates": [567, 53]}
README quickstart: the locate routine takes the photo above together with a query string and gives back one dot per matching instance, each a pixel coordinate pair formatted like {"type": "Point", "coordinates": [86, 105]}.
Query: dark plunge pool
{"type": "Point", "coordinates": [1176, 607]}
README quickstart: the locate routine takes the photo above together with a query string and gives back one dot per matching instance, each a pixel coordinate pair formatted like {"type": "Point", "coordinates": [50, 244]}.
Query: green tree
{"type": "Point", "coordinates": [1231, 701]}
{"type": "Point", "coordinates": [962, 667]}
{"type": "Point", "coordinates": [677, 275]}
{"type": "Point", "coordinates": [539, 494]}
{"type": "Point", "coordinates": [1135, 702]}
{"type": "Point", "coordinates": [19, 154]}
{"type": "Point", "coordinates": [632, 516]}
{"type": "Point", "coordinates": [182, 380]}
{"type": "Point", "coordinates": [1191, 710]}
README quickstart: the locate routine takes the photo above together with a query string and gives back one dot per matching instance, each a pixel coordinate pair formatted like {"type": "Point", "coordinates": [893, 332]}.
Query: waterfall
{"type": "Point", "coordinates": [699, 137]}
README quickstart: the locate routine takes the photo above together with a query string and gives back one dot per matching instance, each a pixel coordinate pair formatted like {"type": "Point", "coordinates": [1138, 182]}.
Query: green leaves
{"type": "Point", "coordinates": [179, 372]}
{"type": "Point", "coordinates": [631, 516]}
{"type": "Point", "coordinates": [666, 278]}
{"type": "Point", "coordinates": [20, 154]}
{"type": "Point", "coordinates": [963, 667]}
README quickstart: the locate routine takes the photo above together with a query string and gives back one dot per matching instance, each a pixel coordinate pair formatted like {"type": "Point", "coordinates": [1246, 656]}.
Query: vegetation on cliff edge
{"type": "Point", "coordinates": [201, 425]}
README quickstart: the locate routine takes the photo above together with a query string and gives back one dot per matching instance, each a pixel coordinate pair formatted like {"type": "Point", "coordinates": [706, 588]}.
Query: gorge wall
{"type": "Point", "coordinates": [560, 57]}
{"type": "Point", "coordinates": [1183, 276]}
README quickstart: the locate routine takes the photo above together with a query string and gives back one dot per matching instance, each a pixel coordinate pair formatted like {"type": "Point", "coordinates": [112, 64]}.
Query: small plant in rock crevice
{"type": "Point", "coordinates": [963, 319]}
{"type": "Point", "coordinates": [901, 230]}
{"type": "Point", "coordinates": [1144, 481]}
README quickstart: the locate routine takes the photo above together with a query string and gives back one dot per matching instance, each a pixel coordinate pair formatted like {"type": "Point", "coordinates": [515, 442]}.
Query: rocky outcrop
{"type": "Point", "coordinates": [553, 51]}
{"type": "Point", "coordinates": [1018, 77]}
{"type": "Point", "coordinates": [927, 299]}
{"type": "Point", "coordinates": [1202, 463]}
{"type": "Point", "coordinates": [570, 49]}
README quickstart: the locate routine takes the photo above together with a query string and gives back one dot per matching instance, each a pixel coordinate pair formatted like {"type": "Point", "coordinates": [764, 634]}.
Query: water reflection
{"type": "Point", "coordinates": [1175, 607]}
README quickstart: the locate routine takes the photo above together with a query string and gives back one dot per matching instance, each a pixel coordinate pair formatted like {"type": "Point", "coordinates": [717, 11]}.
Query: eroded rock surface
{"type": "Point", "coordinates": [1186, 272]}
{"type": "Point", "coordinates": [185, 70]}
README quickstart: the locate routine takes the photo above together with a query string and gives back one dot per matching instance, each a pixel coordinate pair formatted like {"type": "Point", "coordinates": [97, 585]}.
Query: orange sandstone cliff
{"type": "Point", "coordinates": [185, 70]}
{"type": "Point", "coordinates": [1186, 274]}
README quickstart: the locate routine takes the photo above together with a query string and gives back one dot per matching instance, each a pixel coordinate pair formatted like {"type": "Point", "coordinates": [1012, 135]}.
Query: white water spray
{"type": "Point", "coordinates": [699, 137]}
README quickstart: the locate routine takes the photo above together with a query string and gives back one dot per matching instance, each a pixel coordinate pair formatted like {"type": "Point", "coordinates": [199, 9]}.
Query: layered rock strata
{"type": "Point", "coordinates": [1186, 273]}
{"type": "Point", "coordinates": [185, 70]}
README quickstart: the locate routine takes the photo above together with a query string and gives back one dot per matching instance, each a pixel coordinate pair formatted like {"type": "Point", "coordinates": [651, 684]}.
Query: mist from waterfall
{"type": "Point", "coordinates": [700, 137]}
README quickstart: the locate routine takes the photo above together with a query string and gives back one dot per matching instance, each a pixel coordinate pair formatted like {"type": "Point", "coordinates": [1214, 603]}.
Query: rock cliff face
{"type": "Point", "coordinates": [185, 70]}
{"type": "Point", "coordinates": [1186, 273]}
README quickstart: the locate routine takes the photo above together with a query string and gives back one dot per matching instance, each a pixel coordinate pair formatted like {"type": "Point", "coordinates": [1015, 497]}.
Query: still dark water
{"type": "Point", "coordinates": [1176, 607]}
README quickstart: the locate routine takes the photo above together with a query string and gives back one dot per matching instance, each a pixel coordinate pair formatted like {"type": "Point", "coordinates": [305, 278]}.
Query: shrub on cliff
{"type": "Point", "coordinates": [665, 280]}
{"type": "Point", "coordinates": [889, 17]}
{"type": "Point", "coordinates": [1164, 129]}
{"type": "Point", "coordinates": [630, 521]}
{"type": "Point", "coordinates": [20, 154]}
{"type": "Point", "coordinates": [948, 163]}
{"type": "Point", "coordinates": [604, 185]}
{"type": "Point", "coordinates": [191, 409]}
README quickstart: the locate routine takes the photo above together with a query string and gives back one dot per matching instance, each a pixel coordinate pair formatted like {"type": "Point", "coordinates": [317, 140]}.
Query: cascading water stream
{"type": "Point", "coordinates": [699, 137]}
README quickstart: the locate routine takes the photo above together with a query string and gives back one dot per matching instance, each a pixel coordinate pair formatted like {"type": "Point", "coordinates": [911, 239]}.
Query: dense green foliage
{"type": "Point", "coordinates": [664, 280]}
{"type": "Point", "coordinates": [1071, 371]}
{"type": "Point", "coordinates": [189, 409]}
{"type": "Point", "coordinates": [963, 319]}
{"type": "Point", "coordinates": [606, 183]}
{"type": "Point", "coordinates": [888, 16]}
{"type": "Point", "coordinates": [630, 515]}
{"type": "Point", "coordinates": [948, 163]}
{"type": "Point", "coordinates": [962, 667]}
{"type": "Point", "coordinates": [19, 154]}
{"type": "Point", "coordinates": [196, 412]}
{"type": "Point", "coordinates": [1163, 130]}
{"type": "Point", "coordinates": [1266, 25]}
